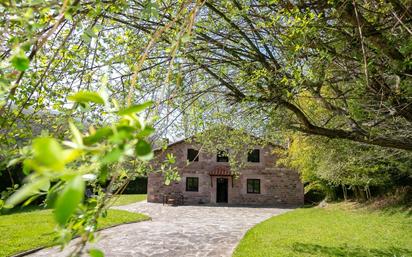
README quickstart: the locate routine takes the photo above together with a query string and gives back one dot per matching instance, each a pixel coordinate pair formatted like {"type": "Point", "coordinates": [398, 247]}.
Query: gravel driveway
{"type": "Point", "coordinates": [179, 231]}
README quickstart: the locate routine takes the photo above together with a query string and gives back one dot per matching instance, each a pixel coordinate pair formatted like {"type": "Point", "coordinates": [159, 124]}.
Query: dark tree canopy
{"type": "Point", "coordinates": [340, 69]}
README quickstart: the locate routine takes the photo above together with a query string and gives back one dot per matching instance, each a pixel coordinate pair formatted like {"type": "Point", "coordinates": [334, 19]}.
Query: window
{"type": "Point", "coordinates": [192, 184]}
{"type": "Point", "coordinates": [253, 155]}
{"type": "Point", "coordinates": [222, 156]}
{"type": "Point", "coordinates": [192, 155]}
{"type": "Point", "coordinates": [253, 186]}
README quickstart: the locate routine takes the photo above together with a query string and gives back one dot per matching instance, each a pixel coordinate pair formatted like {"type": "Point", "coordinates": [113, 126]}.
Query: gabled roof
{"type": "Point", "coordinates": [172, 144]}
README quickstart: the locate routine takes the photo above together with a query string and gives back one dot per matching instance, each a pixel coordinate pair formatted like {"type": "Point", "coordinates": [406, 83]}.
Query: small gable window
{"type": "Point", "coordinates": [222, 156]}
{"type": "Point", "coordinates": [253, 155]}
{"type": "Point", "coordinates": [192, 155]}
{"type": "Point", "coordinates": [253, 186]}
{"type": "Point", "coordinates": [192, 184]}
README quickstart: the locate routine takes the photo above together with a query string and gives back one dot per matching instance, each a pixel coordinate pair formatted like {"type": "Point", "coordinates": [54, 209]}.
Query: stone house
{"type": "Point", "coordinates": [207, 178]}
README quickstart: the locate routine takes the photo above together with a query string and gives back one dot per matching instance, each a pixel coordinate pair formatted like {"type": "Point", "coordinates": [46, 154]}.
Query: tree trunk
{"type": "Point", "coordinates": [345, 192]}
{"type": "Point", "coordinates": [361, 194]}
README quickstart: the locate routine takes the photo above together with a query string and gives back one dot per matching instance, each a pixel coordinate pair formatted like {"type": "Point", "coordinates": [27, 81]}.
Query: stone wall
{"type": "Point", "coordinates": [277, 185]}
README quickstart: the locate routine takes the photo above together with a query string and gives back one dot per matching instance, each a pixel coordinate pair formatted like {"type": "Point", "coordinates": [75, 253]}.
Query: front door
{"type": "Point", "coordinates": [221, 190]}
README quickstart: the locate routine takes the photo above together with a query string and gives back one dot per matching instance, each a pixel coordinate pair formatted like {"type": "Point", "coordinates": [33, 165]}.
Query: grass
{"type": "Point", "coordinates": [31, 228]}
{"type": "Point", "coordinates": [128, 199]}
{"type": "Point", "coordinates": [337, 230]}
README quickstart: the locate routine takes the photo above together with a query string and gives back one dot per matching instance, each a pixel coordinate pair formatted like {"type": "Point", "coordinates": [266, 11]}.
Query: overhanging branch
{"type": "Point", "coordinates": [309, 128]}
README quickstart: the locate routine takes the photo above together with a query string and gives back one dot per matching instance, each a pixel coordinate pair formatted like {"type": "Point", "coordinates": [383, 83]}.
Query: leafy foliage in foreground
{"type": "Point", "coordinates": [61, 170]}
{"type": "Point", "coordinates": [49, 76]}
{"type": "Point", "coordinates": [337, 230]}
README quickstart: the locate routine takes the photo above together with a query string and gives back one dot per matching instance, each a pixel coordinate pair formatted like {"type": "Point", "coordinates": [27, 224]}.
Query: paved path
{"type": "Point", "coordinates": [178, 231]}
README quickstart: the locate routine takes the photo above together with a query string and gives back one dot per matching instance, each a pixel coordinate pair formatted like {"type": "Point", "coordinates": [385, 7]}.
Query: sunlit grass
{"type": "Point", "coordinates": [128, 199]}
{"type": "Point", "coordinates": [338, 230]}
{"type": "Point", "coordinates": [26, 230]}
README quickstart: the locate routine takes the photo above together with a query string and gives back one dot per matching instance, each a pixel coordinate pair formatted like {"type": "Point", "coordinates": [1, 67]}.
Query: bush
{"type": "Point", "coordinates": [137, 186]}
{"type": "Point", "coordinates": [11, 176]}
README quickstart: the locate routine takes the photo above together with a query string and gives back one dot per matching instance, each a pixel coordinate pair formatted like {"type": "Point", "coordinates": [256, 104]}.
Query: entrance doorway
{"type": "Point", "coordinates": [221, 190]}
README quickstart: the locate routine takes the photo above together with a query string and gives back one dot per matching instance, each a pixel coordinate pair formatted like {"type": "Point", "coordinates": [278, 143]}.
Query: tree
{"type": "Point", "coordinates": [339, 69]}
{"type": "Point", "coordinates": [333, 163]}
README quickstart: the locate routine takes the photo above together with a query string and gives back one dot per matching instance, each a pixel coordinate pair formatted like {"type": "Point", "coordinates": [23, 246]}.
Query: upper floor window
{"type": "Point", "coordinates": [253, 155]}
{"type": "Point", "coordinates": [222, 156]}
{"type": "Point", "coordinates": [192, 184]}
{"type": "Point", "coordinates": [192, 155]}
{"type": "Point", "coordinates": [253, 186]}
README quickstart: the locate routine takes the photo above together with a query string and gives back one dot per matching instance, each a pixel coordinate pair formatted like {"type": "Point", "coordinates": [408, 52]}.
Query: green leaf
{"type": "Point", "coordinates": [48, 153]}
{"type": "Point", "coordinates": [104, 173]}
{"type": "Point", "coordinates": [185, 38]}
{"type": "Point", "coordinates": [26, 46]}
{"type": "Point", "coordinates": [14, 162]}
{"type": "Point", "coordinates": [90, 32]}
{"type": "Point", "coordinates": [68, 15]}
{"type": "Point", "coordinates": [20, 61]}
{"type": "Point", "coordinates": [86, 38]}
{"type": "Point", "coordinates": [27, 166]}
{"type": "Point", "coordinates": [126, 128]}
{"type": "Point", "coordinates": [135, 108]}
{"type": "Point", "coordinates": [51, 198]}
{"type": "Point", "coordinates": [147, 131]}
{"type": "Point", "coordinates": [30, 200]}
{"type": "Point", "coordinates": [45, 186]}
{"type": "Point", "coordinates": [151, 10]}
{"type": "Point", "coordinates": [123, 132]}
{"type": "Point", "coordinates": [69, 199]}
{"type": "Point", "coordinates": [120, 136]}
{"type": "Point", "coordinates": [70, 155]}
{"type": "Point", "coordinates": [171, 158]}
{"type": "Point", "coordinates": [144, 150]}
{"type": "Point", "coordinates": [100, 134]}
{"type": "Point", "coordinates": [77, 136]}
{"type": "Point", "coordinates": [86, 97]}
{"type": "Point", "coordinates": [96, 253]}
{"type": "Point", "coordinates": [112, 156]}
{"type": "Point", "coordinates": [28, 190]}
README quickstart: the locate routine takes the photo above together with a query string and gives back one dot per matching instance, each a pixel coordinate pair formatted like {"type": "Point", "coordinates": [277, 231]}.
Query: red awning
{"type": "Point", "coordinates": [220, 171]}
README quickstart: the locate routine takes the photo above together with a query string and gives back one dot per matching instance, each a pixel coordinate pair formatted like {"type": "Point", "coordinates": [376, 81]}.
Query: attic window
{"type": "Point", "coordinates": [253, 155]}
{"type": "Point", "coordinates": [192, 155]}
{"type": "Point", "coordinates": [222, 156]}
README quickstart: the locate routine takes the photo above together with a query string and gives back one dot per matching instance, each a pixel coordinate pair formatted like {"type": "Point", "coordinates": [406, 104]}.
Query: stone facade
{"type": "Point", "coordinates": [278, 185]}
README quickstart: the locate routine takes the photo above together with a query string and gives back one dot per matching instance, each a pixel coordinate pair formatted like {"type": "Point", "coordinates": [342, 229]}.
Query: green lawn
{"type": "Point", "coordinates": [128, 199]}
{"type": "Point", "coordinates": [26, 230]}
{"type": "Point", "coordinates": [338, 230]}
